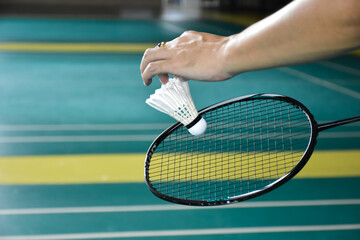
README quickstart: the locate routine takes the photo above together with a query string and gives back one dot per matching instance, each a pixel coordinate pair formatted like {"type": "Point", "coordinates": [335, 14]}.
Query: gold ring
{"type": "Point", "coordinates": [162, 44]}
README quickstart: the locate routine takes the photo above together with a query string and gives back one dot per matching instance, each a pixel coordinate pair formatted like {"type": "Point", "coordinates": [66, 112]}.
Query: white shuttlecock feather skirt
{"type": "Point", "coordinates": [174, 98]}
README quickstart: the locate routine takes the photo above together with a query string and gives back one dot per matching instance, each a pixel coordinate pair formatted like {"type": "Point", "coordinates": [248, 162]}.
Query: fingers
{"type": "Point", "coordinates": [153, 69]}
{"type": "Point", "coordinates": [152, 55]}
{"type": "Point", "coordinates": [155, 60]}
{"type": "Point", "coordinates": [150, 64]}
{"type": "Point", "coordinates": [164, 78]}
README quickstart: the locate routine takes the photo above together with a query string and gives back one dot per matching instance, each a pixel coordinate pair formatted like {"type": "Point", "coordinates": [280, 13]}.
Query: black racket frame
{"type": "Point", "coordinates": [306, 156]}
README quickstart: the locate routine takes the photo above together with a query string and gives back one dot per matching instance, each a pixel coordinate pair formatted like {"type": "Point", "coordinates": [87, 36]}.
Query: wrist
{"type": "Point", "coordinates": [234, 56]}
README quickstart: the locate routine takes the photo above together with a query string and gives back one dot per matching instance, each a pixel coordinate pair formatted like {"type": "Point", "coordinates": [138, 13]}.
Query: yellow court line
{"type": "Point", "coordinates": [324, 164]}
{"type": "Point", "coordinates": [356, 52]}
{"type": "Point", "coordinates": [77, 47]}
{"type": "Point", "coordinates": [112, 168]}
{"type": "Point", "coordinates": [138, 48]}
{"type": "Point", "coordinates": [72, 169]}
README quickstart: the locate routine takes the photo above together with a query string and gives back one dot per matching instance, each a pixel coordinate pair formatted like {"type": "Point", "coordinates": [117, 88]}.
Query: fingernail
{"type": "Point", "coordinates": [147, 83]}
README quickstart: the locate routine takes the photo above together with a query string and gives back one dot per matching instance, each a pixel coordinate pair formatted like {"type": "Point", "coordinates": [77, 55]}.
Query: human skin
{"type": "Point", "coordinates": [303, 31]}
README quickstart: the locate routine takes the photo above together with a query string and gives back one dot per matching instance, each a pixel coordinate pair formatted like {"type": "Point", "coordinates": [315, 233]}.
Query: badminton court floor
{"type": "Point", "coordinates": [74, 130]}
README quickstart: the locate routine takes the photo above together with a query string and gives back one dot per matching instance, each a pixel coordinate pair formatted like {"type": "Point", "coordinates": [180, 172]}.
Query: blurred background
{"type": "Point", "coordinates": [74, 126]}
{"type": "Point", "coordinates": [137, 9]}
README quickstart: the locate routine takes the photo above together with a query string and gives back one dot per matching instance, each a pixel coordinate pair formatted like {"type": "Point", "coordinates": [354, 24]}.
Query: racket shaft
{"type": "Point", "coordinates": [322, 127]}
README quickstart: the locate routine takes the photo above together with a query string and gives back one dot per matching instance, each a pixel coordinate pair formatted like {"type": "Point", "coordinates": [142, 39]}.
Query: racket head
{"type": "Point", "coordinates": [173, 167]}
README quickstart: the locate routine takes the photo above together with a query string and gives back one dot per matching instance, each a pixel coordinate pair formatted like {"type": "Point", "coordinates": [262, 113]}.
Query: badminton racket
{"type": "Point", "coordinates": [253, 144]}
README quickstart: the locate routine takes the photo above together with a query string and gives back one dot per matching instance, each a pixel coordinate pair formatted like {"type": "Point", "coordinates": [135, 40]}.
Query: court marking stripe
{"type": "Point", "coordinates": [340, 67]}
{"type": "Point", "coordinates": [171, 27]}
{"type": "Point", "coordinates": [320, 82]}
{"type": "Point", "coordinates": [130, 138]}
{"type": "Point", "coordinates": [86, 127]}
{"type": "Point", "coordinates": [356, 52]}
{"type": "Point", "coordinates": [121, 168]}
{"type": "Point", "coordinates": [76, 47]}
{"type": "Point", "coordinates": [188, 232]}
{"type": "Point", "coordinates": [104, 127]}
{"type": "Point", "coordinates": [88, 138]}
{"type": "Point", "coordinates": [336, 135]}
{"type": "Point", "coordinates": [173, 207]}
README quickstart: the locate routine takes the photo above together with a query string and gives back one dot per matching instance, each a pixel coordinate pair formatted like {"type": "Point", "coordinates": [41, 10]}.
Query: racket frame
{"type": "Point", "coordinates": [277, 183]}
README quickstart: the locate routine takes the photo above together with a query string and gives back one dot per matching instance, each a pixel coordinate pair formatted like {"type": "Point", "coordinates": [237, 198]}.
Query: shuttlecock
{"type": "Point", "coordinates": [174, 99]}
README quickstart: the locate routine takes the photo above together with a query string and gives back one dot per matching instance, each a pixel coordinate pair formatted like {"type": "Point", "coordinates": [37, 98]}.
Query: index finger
{"type": "Point", "coordinates": [152, 55]}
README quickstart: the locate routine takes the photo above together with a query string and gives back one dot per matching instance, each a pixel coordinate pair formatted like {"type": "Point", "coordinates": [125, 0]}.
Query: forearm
{"type": "Point", "coordinates": [303, 31]}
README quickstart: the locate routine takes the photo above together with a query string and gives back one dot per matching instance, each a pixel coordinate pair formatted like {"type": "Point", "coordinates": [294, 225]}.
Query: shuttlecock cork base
{"type": "Point", "coordinates": [198, 126]}
{"type": "Point", "coordinates": [174, 98]}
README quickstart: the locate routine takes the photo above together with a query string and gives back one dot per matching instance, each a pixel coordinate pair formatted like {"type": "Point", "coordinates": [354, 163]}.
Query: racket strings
{"type": "Point", "coordinates": [231, 169]}
{"type": "Point", "coordinates": [298, 127]}
{"type": "Point", "coordinates": [248, 145]}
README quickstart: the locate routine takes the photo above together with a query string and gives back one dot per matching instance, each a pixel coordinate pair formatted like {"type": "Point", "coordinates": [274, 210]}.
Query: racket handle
{"type": "Point", "coordinates": [322, 127]}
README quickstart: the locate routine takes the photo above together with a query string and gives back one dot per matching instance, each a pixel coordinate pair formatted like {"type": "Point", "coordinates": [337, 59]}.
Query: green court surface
{"type": "Point", "coordinates": [118, 208]}
{"type": "Point", "coordinates": [55, 103]}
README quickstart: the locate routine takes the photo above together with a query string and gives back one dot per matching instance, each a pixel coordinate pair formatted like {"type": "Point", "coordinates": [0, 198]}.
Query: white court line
{"type": "Point", "coordinates": [86, 127]}
{"type": "Point", "coordinates": [353, 124]}
{"type": "Point", "coordinates": [171, 27]}
{"type": "Point", "coordinates": [187, 232]}
{"type": "Point", "coordinates": [90, 138]}
{"type": "Point", "coordinates": [105, 127]}
{"type": "Point", "coordinates": [173, 207]}
{"type": "Point", "coordinates": [337, 135]}
{"type": "Point", "coordinates": [320, 82]}
{"type": "Point", "coordinates": [341, 68]}
{"type": "Point", "coordinates": [130, 138]}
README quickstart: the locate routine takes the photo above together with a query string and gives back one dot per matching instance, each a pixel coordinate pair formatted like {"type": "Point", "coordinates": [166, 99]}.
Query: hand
{"type": "Point", "coordinates": [193, 55]}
